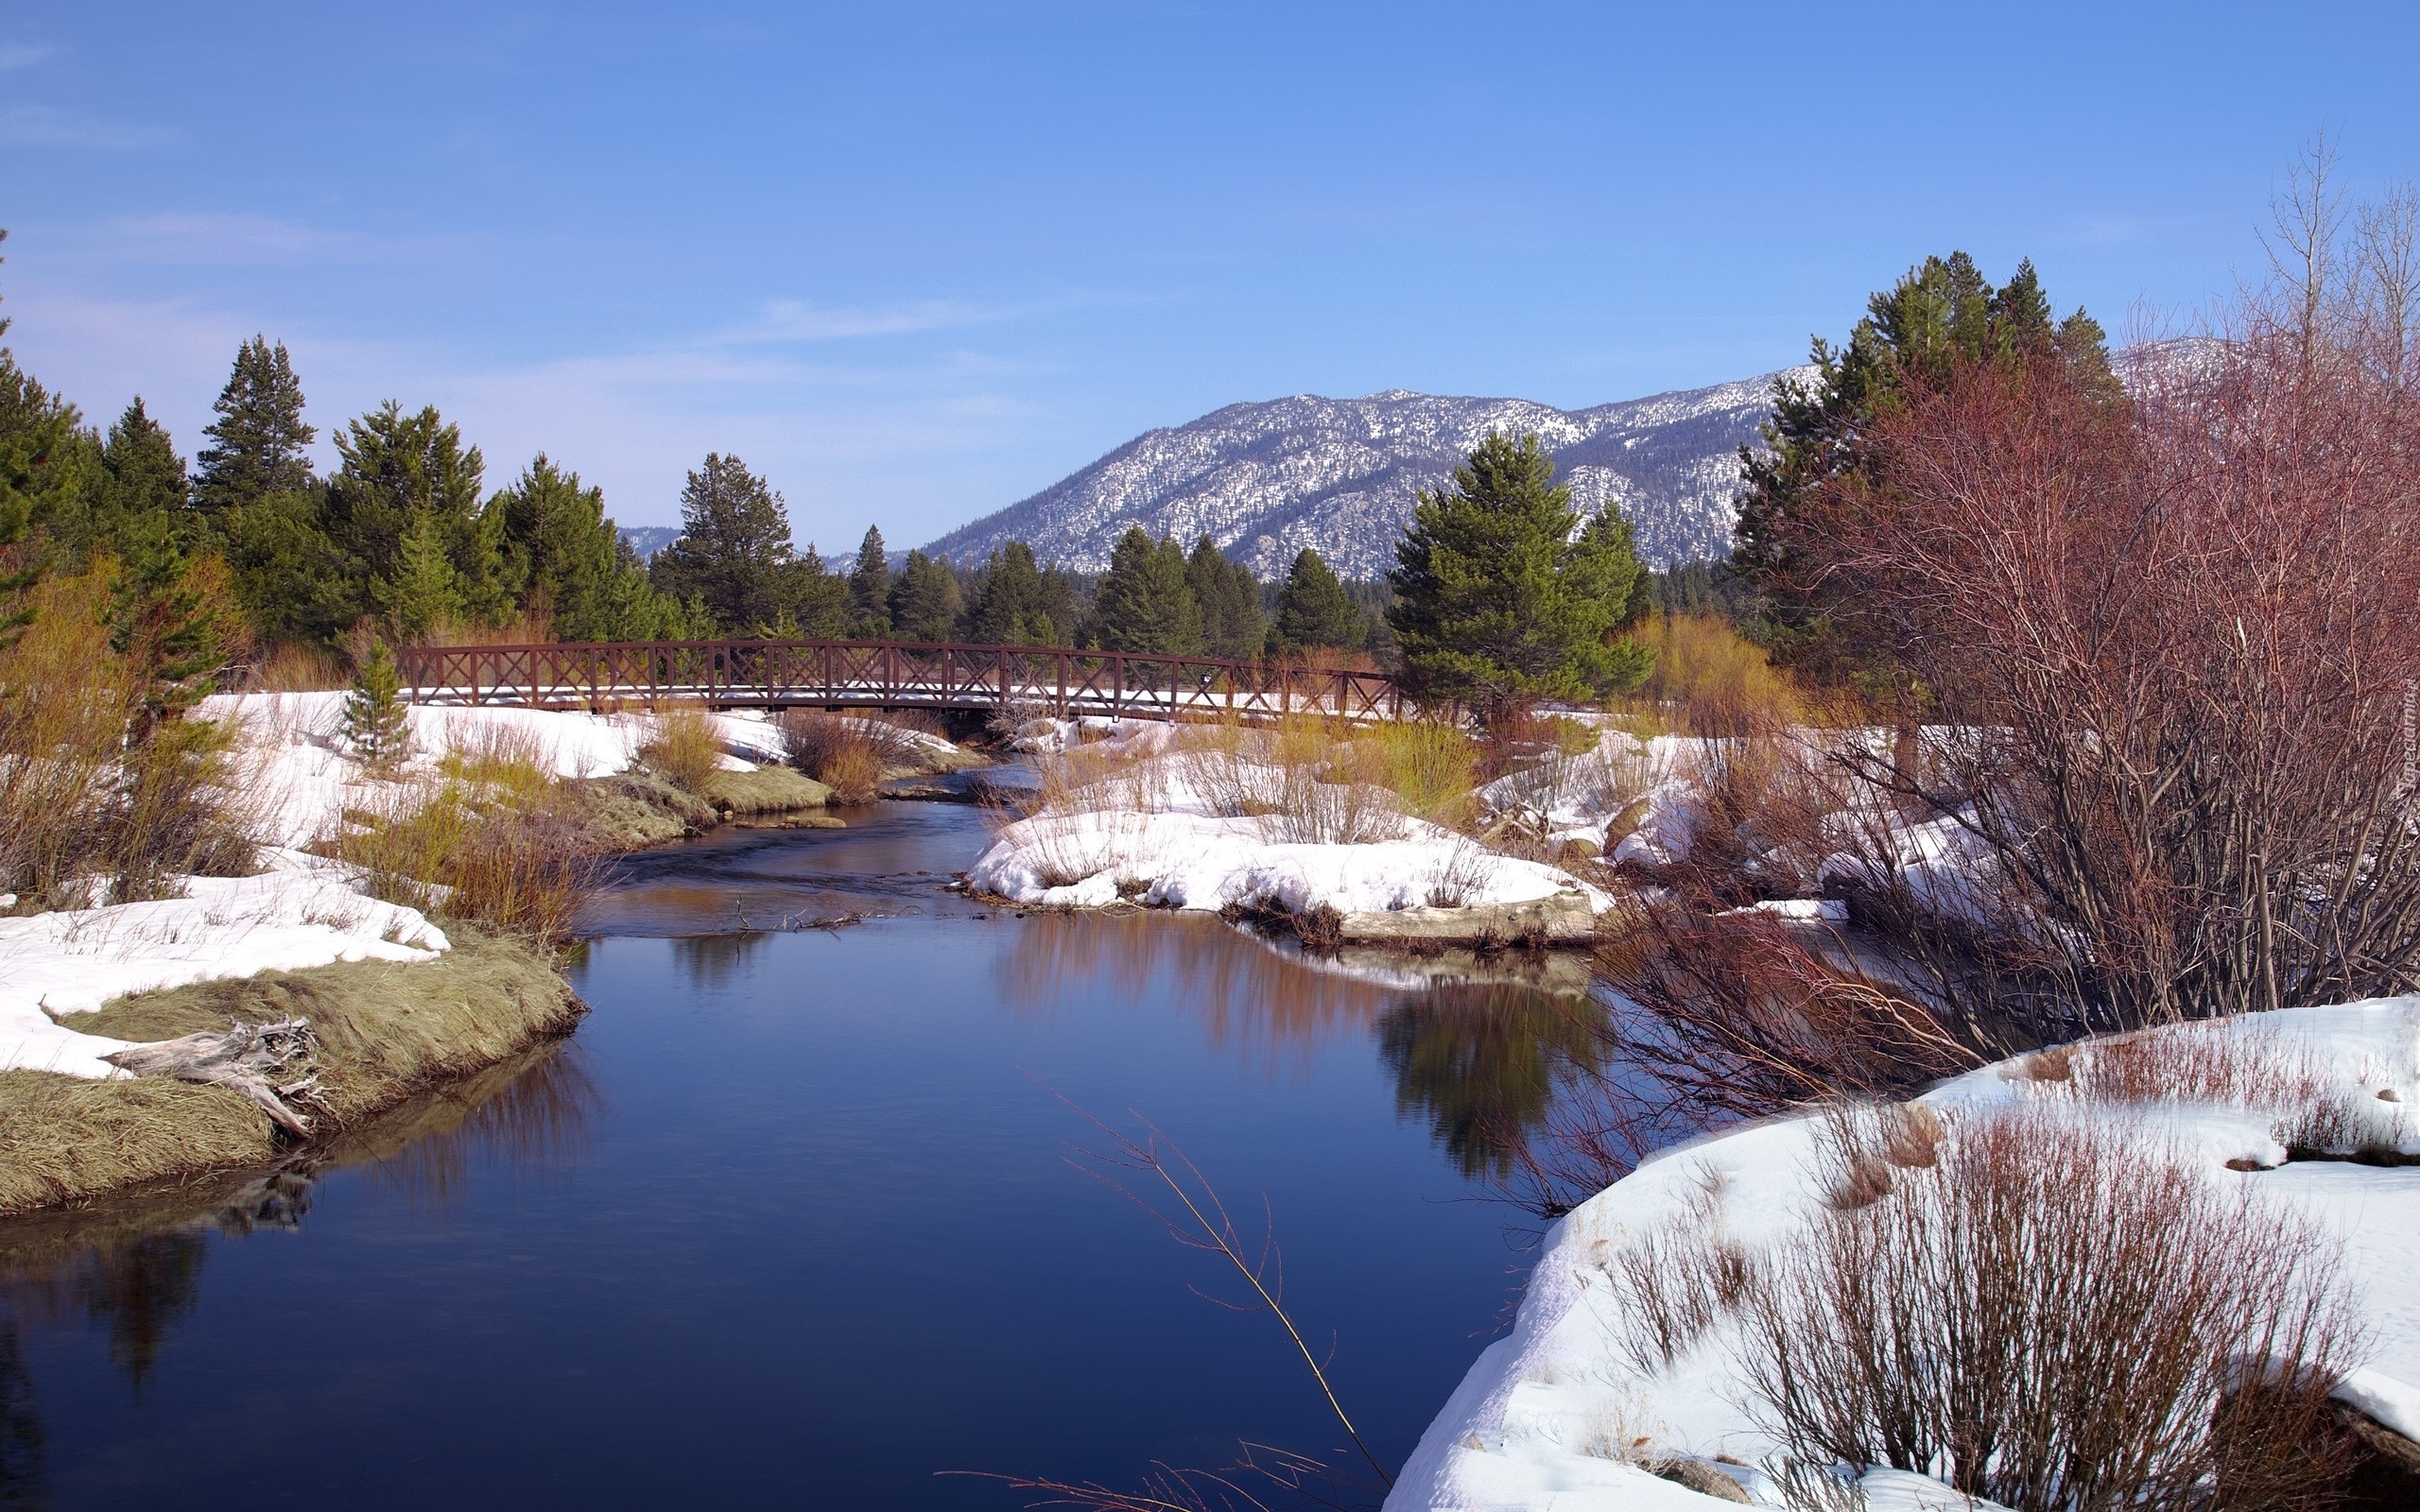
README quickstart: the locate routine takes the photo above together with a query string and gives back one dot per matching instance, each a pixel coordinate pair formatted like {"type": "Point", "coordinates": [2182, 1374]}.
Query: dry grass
{"type": "Point", "coordinates": [682, 745]}
{"type": "Point", "coordinates": [766, 790]}
{"type": "Point", "coordinates": [95, 804]}
{"type": "Point", "coordinates": [492, 840]}
{"type": "Point", "coordinates": [298, 669]}
{"type": "Point", "coordinates": [387, 1029]}
{"type": "Point", "coordinates": [1678, 1280]}
{"type": "Point", "coordinates": [2053, 1319]}
{"type": "Point", "coordinates": [1708, 681]}
{"type": "Point", "coordinates": [2265, 1072]}
{"type": "Point", "coordinates": [849, 756]}
{"type": "Point", "coordinates": [1430, 766]}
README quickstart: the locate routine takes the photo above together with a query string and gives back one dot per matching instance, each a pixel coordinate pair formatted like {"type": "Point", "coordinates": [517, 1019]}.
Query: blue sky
{"type": "Point", "coordinates": [914, 262]}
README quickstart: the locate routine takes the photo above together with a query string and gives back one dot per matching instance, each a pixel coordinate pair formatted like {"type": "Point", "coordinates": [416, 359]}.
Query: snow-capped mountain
{"type": "Point", "coordinates": [1266, 479]}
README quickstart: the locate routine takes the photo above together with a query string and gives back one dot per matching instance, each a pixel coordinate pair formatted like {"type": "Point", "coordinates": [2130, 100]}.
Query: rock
{"type": "Point", "coordinates": [2386, 1465]}
{"type": "Point", "coordinates": [1699, 1476]}
{"type": "Point", "coordinates": [1564, 919]}
{"type": "Point", "coordinates": [1578, 847]}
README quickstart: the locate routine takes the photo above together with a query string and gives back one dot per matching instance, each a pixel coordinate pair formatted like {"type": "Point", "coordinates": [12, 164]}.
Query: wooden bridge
{"type": "Point", "coordinates": [880, 675]}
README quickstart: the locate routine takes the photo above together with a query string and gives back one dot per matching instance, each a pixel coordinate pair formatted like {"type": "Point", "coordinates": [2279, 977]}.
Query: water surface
{"type": "Point", "coordinates": [788, 1219]}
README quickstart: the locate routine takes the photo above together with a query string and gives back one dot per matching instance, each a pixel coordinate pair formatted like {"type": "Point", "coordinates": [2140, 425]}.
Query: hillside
{"type": "Point", "coordinates": [1265, 479]}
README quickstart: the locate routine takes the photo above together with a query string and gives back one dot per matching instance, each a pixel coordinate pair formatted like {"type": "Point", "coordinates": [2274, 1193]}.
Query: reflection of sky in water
{"type": "Point", "coordinates": [794, 1200]}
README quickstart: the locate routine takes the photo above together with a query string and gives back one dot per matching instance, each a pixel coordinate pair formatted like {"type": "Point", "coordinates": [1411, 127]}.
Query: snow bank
{"type": "Point", "coordinates": [1529, 1425]}
{"type": "Point", "coordinates": [1181, 859]}
{"type": "Point", "coordinates": [304, 911]}
{"type": "Point", "coordinates": [303, 764]}
{"type": "Point", "coordinates": [1151, 828]}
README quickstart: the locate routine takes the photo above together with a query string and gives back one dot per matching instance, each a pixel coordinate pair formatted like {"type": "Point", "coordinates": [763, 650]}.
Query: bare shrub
{"type": "Point", "coordinates": [1329, 790]}
{"type": "Point", "coordinates": [2050, 1320]}
{"type": "Point", "coordinates": [1678, 1280]}
{"type": "Point", "coordinates": [102, 798]}
{"type": "Point", "coordinates": [2166, 635]}
{"type": "Point", "coordinates": [1463, 875]}
{"type": "Point", "coordinates": [1709, 680]}
{"type": "Point", "coordinates": [682, 745]}
{"type": "Point", "coordinates": [506, 847]}
{"type": "Point", "coordinates": [1430, 765]}
{"type": "Point", "coordinates": [2262, 1071]}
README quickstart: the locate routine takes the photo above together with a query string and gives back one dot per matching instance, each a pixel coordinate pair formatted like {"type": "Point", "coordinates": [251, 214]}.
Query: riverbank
{"type": "Point", "coordinates": [1340, 834]}
{"type": "Point", "coordinates": [387, 1029]}
{"type": "Point", "coordinates": [1641, 1361]}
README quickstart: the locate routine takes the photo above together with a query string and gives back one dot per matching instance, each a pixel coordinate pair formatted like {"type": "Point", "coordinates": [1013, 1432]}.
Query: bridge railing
{"type": "Point", "coordinates": [840, 673]}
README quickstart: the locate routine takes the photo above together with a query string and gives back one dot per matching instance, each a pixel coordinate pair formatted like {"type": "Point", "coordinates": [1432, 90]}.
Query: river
{"type": "Point", "coordinates": [790, 1220]}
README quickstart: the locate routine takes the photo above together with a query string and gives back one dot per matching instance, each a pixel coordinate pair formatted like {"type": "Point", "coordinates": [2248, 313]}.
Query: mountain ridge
{"type": "Point", "coordinates": [1266, 477]}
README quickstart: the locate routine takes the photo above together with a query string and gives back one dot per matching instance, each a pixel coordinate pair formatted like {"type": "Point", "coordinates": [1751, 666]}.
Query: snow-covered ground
{"type": "Point", "coordinates": [299, 766]}
{"type": "Point", "coordinates": [1157, 825]}
{"type": "Point", "coordinates": [304, 911]}
{"type": "Point", "coordinates": [1536, 1422]}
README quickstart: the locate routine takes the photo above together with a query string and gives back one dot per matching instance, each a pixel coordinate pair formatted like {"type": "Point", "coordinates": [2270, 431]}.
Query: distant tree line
{"type": "Point", "coordinates": [1499, 586]}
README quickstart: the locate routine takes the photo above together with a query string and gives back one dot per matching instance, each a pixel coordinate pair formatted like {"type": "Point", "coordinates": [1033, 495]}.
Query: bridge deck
{"type": "Point", "coordinates": [862, 674]}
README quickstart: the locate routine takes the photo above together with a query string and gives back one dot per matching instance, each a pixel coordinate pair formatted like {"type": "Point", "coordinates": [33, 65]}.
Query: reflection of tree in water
{"type": "Point", "coordinates": [713, 960]}
{"type": "Point", "coordinates": [530, 1111]}
{"type": "Point", "coordinates": [1483, 1063]}
{"type": "Point", "coordinates": [135, 1269]}
{"type": "Point", "coordinates": [140, 1290]}
{"type": "Point", "coordinates": [20, 1427]}
{"type": "Point", "coordinates": [1246, 993]}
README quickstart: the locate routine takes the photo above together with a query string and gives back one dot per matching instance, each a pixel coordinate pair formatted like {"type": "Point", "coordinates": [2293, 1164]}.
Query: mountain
{"type": "Point", "coordinates": [1266, 479]}
{"type": "Point", "coordinates": [648, 540]}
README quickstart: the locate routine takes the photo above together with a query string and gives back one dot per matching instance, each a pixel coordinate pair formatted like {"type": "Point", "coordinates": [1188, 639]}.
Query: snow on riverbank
{"type": "Point", "coordinates": [1557, 1412]}
{"type": "Point", "coordinates": [303, 911]}
{"type": "Point", "coordinates": [1192, 860]}
{"type": "Point", "coordinates": [303, 765]}
{"type": "Point", "coordinates": [1174, 826]}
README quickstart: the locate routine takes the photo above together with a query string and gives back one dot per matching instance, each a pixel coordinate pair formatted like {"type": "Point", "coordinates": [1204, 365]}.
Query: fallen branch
{"type": "Point", "coordinates": [244, 1058]}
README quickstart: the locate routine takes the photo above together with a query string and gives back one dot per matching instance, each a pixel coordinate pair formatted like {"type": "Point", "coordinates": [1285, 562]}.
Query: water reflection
{"type": "Point", "coordinates": [134, 1268]}
{"type": "Point", "coordinates": [1258, 999]}
{"type": "Point", "coordinates": [20, 1426]}
{"type": "Point", "coordinates": [715, 961]}
{"type": "Point", "coordinates": [1484, 1063]}
{"type": "Point", "coordinates": [1481, 1061]}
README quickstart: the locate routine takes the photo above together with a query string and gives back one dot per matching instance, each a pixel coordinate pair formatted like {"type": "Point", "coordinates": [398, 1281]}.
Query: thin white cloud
{"type": "Point", "coordinates": [238, 240]}
{"type": "Point", "coordinates": [22, 55]}
{"type": "Point", "coordinates": [48, 125]}
{"type": "Point", "coordinates": [799, 320]}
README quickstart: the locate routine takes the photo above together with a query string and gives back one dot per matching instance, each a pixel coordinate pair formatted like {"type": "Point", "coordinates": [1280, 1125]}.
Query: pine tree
{"type": "Point", "coordinates": [1941, 313]}
{"type": "Point", "coordinates": [1502, 599]}
{"type": "Point", "coordinates": [405, 472]}
{"type": "Point", "coordinates": [869, 590]}
{"type": "Point", "coordinates": [140, 475]}
{"type": "Point", "coordinates": [260, 443]}
{"type": "Point", "coordinates": [1314, 611]}
{"type": "Point", "coordinates": [375, 721]}
{"type": "Point", "coordinates": [817, 598]}
{"type": "Point", "coordinates": [1018, 603]}
{"type": "Point", "coordinates": [1228, 596]}
{"type": "Point", "coordinates": [1143, 602]}
{"type": "Point", "coordinates": [570, 564]}
{"type": "Point", "coordinates": [925, 601]}
{"type": "Point", "coordinates": [734, 557]}
{"type": "Point", "coordinates": [423, 592]}
{"type": "Point", "coordinates": [171, 614]}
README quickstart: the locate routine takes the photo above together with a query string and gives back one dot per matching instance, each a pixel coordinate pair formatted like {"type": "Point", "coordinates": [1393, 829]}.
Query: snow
{"type": "Point", "coordinates": [1518, 1431]}
{"type": "Point", "coordinates": [303, 764]}
{"type": "Point", "coordinates": [304, 911]}
{"type": "Point", "coordinates": [1150, 831]}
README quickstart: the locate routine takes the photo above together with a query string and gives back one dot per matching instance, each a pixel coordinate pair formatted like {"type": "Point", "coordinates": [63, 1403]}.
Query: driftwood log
{"type": "Point", "coordinates": [248, 1057]}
